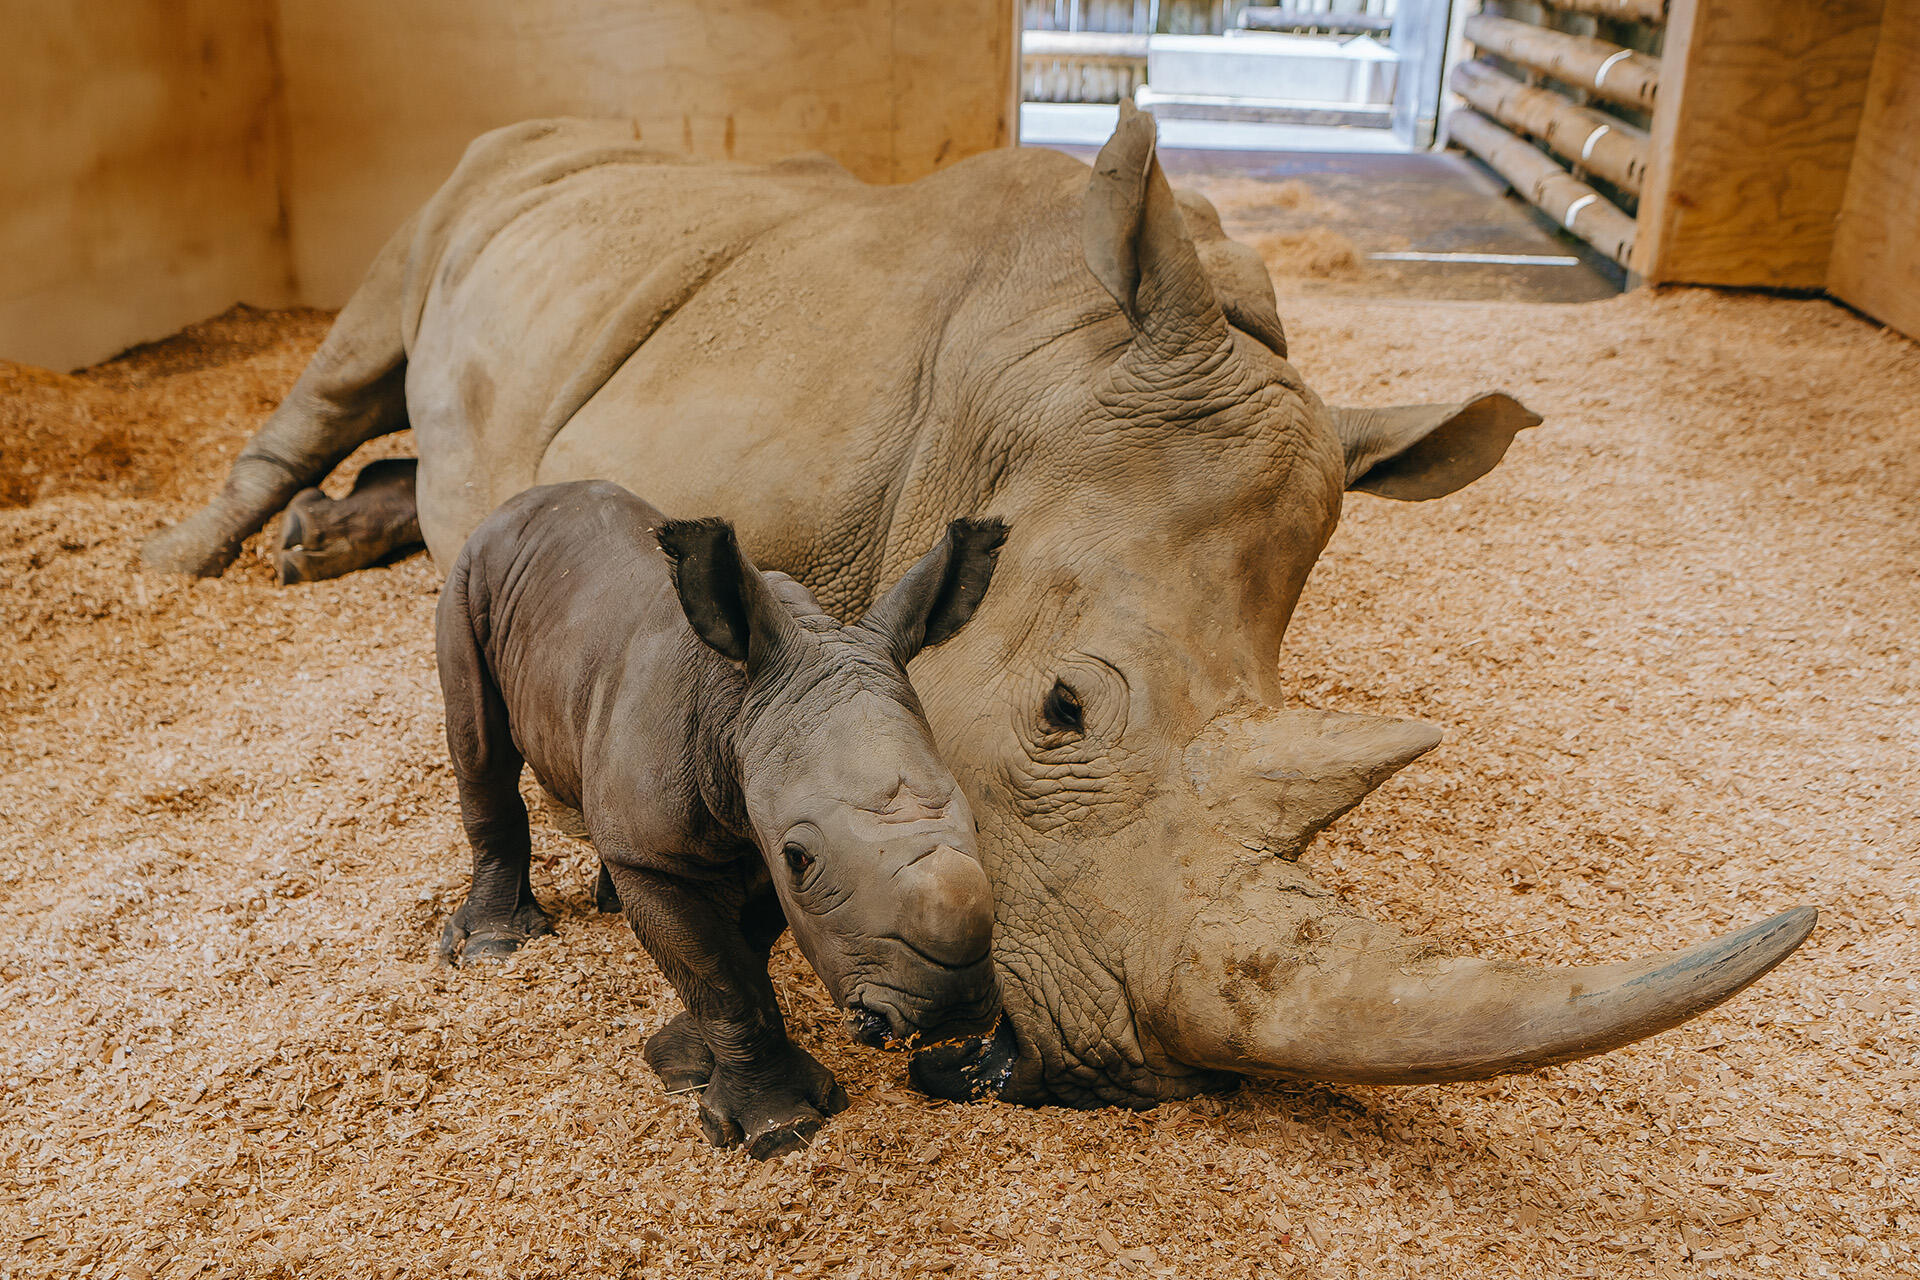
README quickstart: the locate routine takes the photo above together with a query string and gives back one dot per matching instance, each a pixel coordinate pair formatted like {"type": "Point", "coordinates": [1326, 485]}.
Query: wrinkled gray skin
{"type": "Point", "coordinates": [741, 761]}
{"type": "Point", "coordinates": [841, 369]}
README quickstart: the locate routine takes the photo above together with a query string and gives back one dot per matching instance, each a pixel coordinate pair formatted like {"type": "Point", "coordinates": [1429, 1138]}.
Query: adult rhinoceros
{"type": "Point", "coordinates": [841, 369]}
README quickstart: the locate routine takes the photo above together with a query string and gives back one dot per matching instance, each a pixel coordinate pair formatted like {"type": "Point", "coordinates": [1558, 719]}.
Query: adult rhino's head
{"type": "Point", "coordinates": [1141, 794]}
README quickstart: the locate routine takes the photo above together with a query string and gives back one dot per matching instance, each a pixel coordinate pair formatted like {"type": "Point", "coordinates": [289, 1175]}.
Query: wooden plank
{"type": "Point", "coordinates": [1607, 70]}
{"type": "Point", "coordinates": [1876, 251]}
{"type": "Point", "coordinates": [1752, 139]}
{"type": "Point", "coordinates": [891, 89]}
{"type": "Point", "coordinates": [1598, 142]}
{"type": "Point", "coordinates": [1557, 193]}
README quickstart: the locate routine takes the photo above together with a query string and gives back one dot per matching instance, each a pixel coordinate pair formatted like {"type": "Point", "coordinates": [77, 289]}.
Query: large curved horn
{"type": "Point", "coordinates": [1331, 996]}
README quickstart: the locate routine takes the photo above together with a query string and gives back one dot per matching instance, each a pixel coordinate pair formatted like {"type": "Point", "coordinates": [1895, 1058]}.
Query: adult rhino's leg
{"type": "Point", "coordinates": [324, 537]}
{"type": "Point", "coordinates": [353, 390]}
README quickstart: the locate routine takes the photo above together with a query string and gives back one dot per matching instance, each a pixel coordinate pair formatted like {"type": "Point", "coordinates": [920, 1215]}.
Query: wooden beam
{"type": "Point", "coordinates": [1557, 193]}
{"type": "Point", "coordinates": [1876, 254]}
{"type": "Point", "coordinates": [1597, 142]}
{"type": "Point", "coordinates": [1611, 72]}
{"type": "Point", "coordinates": [1752, 140]}
{"type": "Point", "coordinates": [1624, 10]}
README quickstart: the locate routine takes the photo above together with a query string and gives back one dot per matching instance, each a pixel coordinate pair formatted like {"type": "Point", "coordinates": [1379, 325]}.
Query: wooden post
{"type": "Point", "coordinates": [1561, 196]}
{"type": "Point", "coordinates": [1602, 144]}
{"type": "Point", "coordinates": [1876, 256]}
{"type": "Point", "coordinates": [1752, 139]}
{"type": "Point", "coordinates": [1616, 74]}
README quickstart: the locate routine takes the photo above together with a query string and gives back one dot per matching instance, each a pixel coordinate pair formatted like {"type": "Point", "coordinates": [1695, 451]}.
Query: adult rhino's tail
{"type": "Point", "coordinates": [352, 391]}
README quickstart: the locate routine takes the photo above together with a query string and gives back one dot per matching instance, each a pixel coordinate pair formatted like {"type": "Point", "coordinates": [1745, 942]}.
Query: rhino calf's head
{"type": "Point", "coordinates": [870, 842]}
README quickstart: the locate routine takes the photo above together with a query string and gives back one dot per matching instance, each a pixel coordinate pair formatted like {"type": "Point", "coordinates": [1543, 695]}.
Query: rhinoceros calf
{"type": "Point", "coordinates": [1081, 352]}
{"type": "Point", "coordinates": [742, 762]}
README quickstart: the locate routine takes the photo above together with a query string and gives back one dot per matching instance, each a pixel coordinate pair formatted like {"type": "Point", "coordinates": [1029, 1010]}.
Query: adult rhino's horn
{"type": "Point", "coordinates": [1331, 996]}
{"type": "Point", "coordinates": [1139, 249]}
{"type": "Point", "coordinates": [1274, 777]}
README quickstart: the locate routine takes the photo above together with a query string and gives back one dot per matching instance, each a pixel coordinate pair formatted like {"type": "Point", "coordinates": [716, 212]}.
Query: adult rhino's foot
{"type": "Point", "coordinates": [201, 546]}
{"type": "Point", "coordinates": [772, 1106]}
{"type": "Point", "coordinates": [469, 935]}
{"type": "Point", "coordinates": [322, 537]}
{"type": "Point", "coordinates": [679, 1056]}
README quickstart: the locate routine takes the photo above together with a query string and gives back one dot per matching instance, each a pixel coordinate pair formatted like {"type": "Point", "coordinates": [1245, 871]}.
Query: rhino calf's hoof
{"type": "Point", "coordinates": [605, 896]}
{"type": "Point", "coordinates": [776, 1110]}
{"type": "Point", "coordinates": [469, 936]}
{"type": "Point", "coordinates": [679, 1056]}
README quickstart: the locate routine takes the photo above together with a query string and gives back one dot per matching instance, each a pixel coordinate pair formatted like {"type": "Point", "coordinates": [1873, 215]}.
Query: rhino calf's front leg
{"type": "Point", "coordinates": [762, 1090]}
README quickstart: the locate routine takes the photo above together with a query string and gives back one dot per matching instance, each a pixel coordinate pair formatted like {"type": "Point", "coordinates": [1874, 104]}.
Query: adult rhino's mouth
{"type": "Point", "coordinates": [967, 1069]}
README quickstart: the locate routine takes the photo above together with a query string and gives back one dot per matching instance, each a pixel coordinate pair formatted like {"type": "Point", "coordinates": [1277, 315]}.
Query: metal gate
{"type": "Point", "coordinates": [1368, 63]}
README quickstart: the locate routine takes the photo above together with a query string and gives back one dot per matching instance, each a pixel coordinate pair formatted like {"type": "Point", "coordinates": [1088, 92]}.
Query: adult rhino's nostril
{"type": "Point", "coordinates": [946, 908]}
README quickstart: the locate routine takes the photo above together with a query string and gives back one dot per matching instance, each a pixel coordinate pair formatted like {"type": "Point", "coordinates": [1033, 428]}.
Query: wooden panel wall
{"type": "Point", "coordinates": [1752, 139]}
{"type": "Point", "coordinates": [139, 172]}
{"type": "Point", "coordinates": [1876, 251]}
{"type": "Point", "coordinates": [383, 98]}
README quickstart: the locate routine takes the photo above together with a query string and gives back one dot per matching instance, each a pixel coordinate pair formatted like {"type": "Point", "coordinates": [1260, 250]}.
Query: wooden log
{"type": "Point", "coordinates": [1616, 74]}
{"type": "Point", "coordinates": [1623, 10]}
{"type": "Point", "coordinates": [1596, 141]}
{"type": "Point", "coordinates": [1557, 193]}
{"type": "Point", "coordinates": [1280, 18]}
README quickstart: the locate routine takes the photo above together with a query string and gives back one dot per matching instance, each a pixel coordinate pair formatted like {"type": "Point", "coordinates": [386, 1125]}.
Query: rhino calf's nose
{"type": "Point", "coordinates": [946, 907]}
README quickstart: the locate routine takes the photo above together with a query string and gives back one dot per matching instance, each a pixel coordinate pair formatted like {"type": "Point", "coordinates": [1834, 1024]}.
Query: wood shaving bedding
{"type": "Point", "coordinates": [1672, 640]}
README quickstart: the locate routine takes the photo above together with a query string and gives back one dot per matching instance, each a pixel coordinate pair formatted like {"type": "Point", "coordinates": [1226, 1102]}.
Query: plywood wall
{"type": "Point", "coordinates": [163, 159]}
{"type": "Point", "coordinates": [381, 99]}
{"type": "Point", "coordinates": [1752, 139]}
{"type": "Point", "coordinates": [1876, 251]}
{"type": "Point", "coordinates": [139, 171]}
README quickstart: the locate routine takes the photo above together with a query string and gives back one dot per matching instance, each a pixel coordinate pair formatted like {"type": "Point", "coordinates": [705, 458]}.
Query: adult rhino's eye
{"type": "Point", "coordinates": [1061, 711]}
{"type": "Point", "coordinates": [798, 860]}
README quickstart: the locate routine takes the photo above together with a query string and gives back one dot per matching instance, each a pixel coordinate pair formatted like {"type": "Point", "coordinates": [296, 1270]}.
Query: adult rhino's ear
{"type": "Point", "coordinates": [726, 601]}
{"type": "Point", "coordinates": [1419, 451]}
{"type": "Point", "coordinates": [935, 598]}
{"type": "Point", "coordinates": [1139, 250]}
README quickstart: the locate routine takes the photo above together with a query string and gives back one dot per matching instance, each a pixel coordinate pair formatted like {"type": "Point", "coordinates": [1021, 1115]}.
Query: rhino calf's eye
{"type": "Point", "coordinates": [1062, 711]}
{"type": "Point", "coordinates": [798, 860]}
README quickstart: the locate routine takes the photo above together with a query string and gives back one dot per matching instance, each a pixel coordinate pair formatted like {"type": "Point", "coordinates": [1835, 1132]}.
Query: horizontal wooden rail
{"type": "Point", "coordinates": [1561, 196]}
{"type": "Point", "coordinates": [1616, 74]}
{"type": "Point", "coordinates": [1592, 139]}
{"type": "Point", "coordinates": [1624, 10]}
{"type": "Point", "coordinates": [1273, 18]}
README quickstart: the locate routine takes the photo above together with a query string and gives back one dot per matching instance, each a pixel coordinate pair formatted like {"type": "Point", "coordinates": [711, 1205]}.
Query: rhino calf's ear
{"type": "Point", "coordinates": [938, 595]}
{"type": "Point", "coordinates": [724, 597]}
{"type": "Point", "coordinates": [1417, 451]}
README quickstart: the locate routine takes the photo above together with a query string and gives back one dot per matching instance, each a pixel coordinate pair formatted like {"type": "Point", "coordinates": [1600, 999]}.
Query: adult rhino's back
{"type": "Point", "coordinates": [748, 340]}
